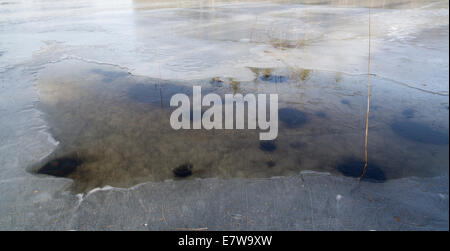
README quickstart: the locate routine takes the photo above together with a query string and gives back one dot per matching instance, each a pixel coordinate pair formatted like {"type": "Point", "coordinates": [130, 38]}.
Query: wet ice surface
{"type": "Point", "coordinates": [80, 85]}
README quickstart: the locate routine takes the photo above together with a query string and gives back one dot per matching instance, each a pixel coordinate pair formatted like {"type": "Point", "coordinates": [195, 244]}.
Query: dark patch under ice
{"type": "Point", "coordinates": [183, 170]}
{"type": "Point", "coordinates": [292, 117]}
{"type": "Point", "coordinates": [409, 113]}
{"type": "Point", "coordinates": [353, 167]}
{"type": "Point", "coordinates": [345, 101]}
{"type": "Point", "coordinates": [420, 133]}
{"type": "Point", "coordinates": [267, 145]}
{"type": "Point", "coordinates": [61, 167]}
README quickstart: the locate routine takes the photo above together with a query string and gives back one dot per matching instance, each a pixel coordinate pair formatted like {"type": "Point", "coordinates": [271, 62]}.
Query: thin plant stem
{"type": "Point", "coordinates": [368, 101]}
{"type": "Point", "coordinates": [159, 79]}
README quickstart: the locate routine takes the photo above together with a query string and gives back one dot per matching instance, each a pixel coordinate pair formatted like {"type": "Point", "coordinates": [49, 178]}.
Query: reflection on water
{"type": "Point", "coordinates": [114, 129]}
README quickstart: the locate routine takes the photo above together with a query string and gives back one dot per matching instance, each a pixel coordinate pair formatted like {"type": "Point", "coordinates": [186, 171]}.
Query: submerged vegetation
{"type": "Point", "coordinates": [216, 81]}
{"type": "Point", "coordinates": [269, 75]}
{"type": "Point", "coordinates": [235, 85]}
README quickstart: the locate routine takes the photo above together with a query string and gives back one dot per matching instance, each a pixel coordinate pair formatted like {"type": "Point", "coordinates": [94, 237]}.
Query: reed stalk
{"type": "Point", "coordinates": [368, 101]}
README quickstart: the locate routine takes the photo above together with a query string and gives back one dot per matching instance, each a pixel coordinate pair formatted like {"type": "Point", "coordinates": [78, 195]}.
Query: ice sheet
{"type": "Point", "coordinates": [195, 40]}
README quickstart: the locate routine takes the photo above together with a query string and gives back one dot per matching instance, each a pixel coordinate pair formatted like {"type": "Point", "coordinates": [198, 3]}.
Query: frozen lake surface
{"type": "Point", "coordinates": [85, 85]}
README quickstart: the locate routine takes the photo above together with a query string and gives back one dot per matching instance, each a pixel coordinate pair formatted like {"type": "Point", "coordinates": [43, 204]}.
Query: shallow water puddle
{"type": "Point", "coordinates": [114, 129]}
